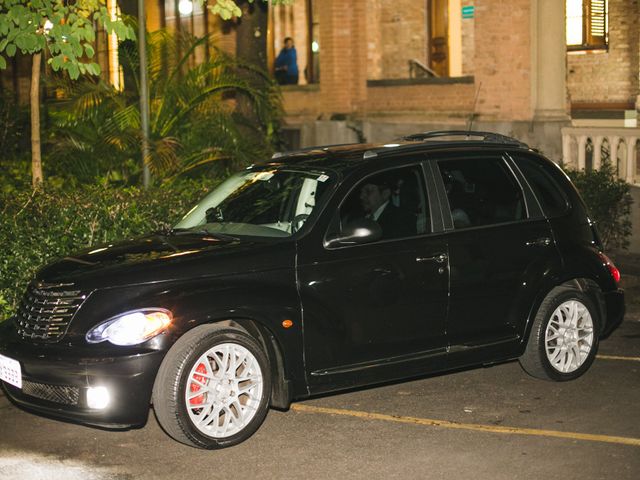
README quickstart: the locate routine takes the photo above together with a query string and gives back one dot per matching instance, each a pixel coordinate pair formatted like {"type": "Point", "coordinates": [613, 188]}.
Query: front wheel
{"type": "Point", "coordinates": [212, 389]}
{"type": "Point", "coordinates": [564, 337]}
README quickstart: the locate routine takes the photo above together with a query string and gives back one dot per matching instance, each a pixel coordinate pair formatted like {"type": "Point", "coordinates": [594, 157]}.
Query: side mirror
{"type": "Point", "coordinates": [356, 232]}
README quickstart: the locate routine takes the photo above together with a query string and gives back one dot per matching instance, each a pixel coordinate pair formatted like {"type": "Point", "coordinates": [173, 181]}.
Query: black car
{"type": "Point", "coordinates": [322, 270]}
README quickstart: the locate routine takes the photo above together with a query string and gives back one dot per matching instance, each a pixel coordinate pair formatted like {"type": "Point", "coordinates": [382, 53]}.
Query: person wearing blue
{"type": "Point", "coordinates": [287, 64]}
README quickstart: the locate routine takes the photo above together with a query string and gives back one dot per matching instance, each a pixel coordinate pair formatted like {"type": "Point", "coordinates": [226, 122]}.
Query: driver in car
{"type": "Point", "coordinates": [375, 199]}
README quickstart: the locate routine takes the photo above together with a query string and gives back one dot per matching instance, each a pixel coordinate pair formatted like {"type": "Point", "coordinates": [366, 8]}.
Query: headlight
{"type": "Point", "coordinates": [131, 328]}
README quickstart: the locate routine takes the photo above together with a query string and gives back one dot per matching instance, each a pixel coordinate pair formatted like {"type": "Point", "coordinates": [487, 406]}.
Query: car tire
{"type": "Point", "coordinates": [213, 387]}
{"type": "Point", "coordinates": [564, 337]}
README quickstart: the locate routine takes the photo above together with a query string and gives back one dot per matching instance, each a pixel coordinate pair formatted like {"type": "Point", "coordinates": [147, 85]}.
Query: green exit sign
{"type": "Point", "coordinates": [468, 11]}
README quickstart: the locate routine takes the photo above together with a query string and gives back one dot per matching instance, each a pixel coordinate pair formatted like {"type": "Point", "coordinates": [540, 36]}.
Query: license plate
{"type": "Point", "coordinates": [10, 371]}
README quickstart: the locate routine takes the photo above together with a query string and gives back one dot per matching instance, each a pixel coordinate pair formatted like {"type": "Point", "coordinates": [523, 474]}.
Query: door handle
{"type": "Point", "coordinates": [438, 258]}
{"type": "Point", "coordinates": [539, 242]}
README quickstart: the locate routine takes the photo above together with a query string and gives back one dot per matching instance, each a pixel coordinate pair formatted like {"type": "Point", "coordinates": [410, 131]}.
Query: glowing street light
{"type": "Point", "coordinates": [185, 7]}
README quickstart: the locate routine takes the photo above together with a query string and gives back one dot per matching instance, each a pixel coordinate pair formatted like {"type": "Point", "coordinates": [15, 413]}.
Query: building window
{"type": "Point", "coordinates": [298, 21]}
{"type": "Point", "coordinates": [587, 24]}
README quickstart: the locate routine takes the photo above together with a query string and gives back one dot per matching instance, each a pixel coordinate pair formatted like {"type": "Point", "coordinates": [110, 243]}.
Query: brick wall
{"type": "Point", "coordinates": [503, 59]}
{"type": "Point", "coordinates": [453, 98]}
{"type": "Point", "coordinates": [468, 41]}
{"type": "Point", "coordinates": [374, 32]}
{"type": "Point", "coordinates": [609, 76]}
{"type": "Point", "coordinates": [343, 55]}
{"type": "Point", "coordinates": [402, 36]}
{"type": "Point", "coordinates": [302, 103]}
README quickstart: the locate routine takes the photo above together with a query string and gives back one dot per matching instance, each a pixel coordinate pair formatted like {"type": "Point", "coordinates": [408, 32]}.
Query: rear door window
{"type": "Point", "coordinates": [549, 194]}
{"type": "Point", "coordinates": [481, 191]}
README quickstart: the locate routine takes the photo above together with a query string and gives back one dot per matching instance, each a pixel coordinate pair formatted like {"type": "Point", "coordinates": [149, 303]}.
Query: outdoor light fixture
{"type": "Point", "coordinates": [315, 47]}
{"type": "Point", "coordinates": [185, 7]}
{"type": "Point", "coordinates": [98, 397]}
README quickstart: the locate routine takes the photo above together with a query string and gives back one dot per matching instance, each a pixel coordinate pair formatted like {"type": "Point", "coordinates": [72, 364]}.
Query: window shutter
{"type": "Point", "coordinates": [596, 31]}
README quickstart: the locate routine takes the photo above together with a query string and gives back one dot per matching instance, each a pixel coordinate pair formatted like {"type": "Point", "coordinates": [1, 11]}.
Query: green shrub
{"type": "Point", "coordinates": [39, 226]}
{"type": "Point", "coordinates": [608, 199]}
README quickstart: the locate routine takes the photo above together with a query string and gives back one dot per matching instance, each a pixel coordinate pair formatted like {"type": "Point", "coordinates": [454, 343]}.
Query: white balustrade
{"type": "Point", "coordinates": [576, 140]}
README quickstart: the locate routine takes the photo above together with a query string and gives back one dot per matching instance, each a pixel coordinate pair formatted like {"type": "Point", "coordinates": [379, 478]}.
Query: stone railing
{"type": "Point", "coordinates": [587, 147]}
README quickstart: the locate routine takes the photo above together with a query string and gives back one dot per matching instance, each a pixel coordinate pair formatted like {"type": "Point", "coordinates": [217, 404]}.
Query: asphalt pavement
{"type": "Point", "coordinates": [485, 423]}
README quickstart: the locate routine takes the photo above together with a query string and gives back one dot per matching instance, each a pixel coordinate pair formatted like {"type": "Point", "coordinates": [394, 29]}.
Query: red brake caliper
{"type": "Point", "coordinates": [198, 400]}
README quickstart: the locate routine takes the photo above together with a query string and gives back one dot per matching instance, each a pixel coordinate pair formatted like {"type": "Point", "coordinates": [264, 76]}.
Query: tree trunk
{"type": "Point", "coordinates": [251, 47]}
{"type": "Point", "coordinates": [36, 156]}
{"type": "Point", "coordinates": [251, 33]}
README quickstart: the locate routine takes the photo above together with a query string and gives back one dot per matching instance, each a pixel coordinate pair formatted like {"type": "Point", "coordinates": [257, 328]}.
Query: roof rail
{"type": "Point", "coordinates": [308, 149]}
{"type": "Point", "coordinates": [486, 136]}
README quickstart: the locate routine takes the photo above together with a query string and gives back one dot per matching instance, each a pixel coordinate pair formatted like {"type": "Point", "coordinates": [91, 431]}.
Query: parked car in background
{"type": "Point", "coordinates": [320, 270]}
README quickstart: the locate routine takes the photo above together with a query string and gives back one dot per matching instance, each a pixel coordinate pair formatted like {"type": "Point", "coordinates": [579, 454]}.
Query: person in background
{"type": "Point", "coordinates": [287, 64]}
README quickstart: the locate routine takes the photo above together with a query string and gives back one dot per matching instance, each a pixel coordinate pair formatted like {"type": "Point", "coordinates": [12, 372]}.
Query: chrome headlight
{"type": "Point", "coordinates": [131, 328]}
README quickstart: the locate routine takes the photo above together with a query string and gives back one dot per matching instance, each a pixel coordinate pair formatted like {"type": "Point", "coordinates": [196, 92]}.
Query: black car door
{"type": "Point", "coordinates": [500, 249]}
{"type": "Point", "coordinates": [374, 311]}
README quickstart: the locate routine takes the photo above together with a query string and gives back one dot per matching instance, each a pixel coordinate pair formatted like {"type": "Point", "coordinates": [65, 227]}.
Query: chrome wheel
{"type": "Point", "coordinates": [224, 390]}
{"type": "Point", "coordinates": [569, 336]}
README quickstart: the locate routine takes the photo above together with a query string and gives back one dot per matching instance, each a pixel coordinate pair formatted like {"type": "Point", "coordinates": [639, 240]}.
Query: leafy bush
{"type": "Point", "coordinates": [15, 171]}
{"type": "Point", "coordinates": [196, 123]}
{"type": "Point", "coordinates": [39, 226]}
{"type": "Point", "coordinates": [608, 199]}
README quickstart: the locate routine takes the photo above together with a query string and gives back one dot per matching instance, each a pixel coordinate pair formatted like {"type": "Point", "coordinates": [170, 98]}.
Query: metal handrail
{"type": "Point", "coordinates": [417, 69]}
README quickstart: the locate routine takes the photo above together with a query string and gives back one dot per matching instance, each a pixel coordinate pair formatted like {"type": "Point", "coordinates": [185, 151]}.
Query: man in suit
{"type": "Point", "coordinates": [375, 199]}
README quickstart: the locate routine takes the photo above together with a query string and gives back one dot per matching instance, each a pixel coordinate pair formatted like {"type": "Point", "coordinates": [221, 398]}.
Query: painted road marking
{"type": "Point", "coordinates": [614, 357]}
{"type": "Point", "coordinates": [298, 407]}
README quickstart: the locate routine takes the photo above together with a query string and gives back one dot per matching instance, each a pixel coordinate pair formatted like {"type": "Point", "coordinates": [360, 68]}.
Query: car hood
{"type": "Point", "coordinates": [158, 258]}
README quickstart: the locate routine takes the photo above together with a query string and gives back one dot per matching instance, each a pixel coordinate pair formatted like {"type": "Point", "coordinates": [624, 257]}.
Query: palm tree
{"type": "Point", "coordinates": [194, 121]}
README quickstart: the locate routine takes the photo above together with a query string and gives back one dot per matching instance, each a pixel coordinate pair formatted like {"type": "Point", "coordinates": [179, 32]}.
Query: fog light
{"type": "Point", "coordinates": [98, 397]}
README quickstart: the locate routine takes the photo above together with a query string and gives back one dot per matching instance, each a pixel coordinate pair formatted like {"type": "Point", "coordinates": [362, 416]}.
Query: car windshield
{"type": "Point", "coordinates": [265, 203]}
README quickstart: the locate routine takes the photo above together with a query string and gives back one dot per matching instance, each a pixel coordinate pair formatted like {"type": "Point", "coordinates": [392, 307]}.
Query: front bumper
{"type": "Point", "coordinates": [614, 303]}
{"type": "Point", "coordinates": [56, 378]}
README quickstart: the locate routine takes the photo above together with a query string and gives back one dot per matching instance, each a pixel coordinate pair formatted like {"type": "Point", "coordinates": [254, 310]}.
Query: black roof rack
{"type": "Point", "coordinates": [486, 136]}
{"type": "Point", "coordinates": [277, 155]}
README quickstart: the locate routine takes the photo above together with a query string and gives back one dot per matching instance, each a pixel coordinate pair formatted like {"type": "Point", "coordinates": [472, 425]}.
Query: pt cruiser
{"type": "Point", "coordinates": [322, 270]}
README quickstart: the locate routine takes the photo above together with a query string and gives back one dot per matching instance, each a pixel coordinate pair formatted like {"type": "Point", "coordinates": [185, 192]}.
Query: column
{"type": "Point", "coordinates": [597, 152]}
{"type": "Point", "coordinates": [549, 82]}
{"type": "Point", "coordinates": [631, 160]}
{"type": "Point", "coordinates": [613, 152]}
{"type": "Point", "coordinates": [566, 149]}
{"type": "Point", "coordinates": [582, 152]}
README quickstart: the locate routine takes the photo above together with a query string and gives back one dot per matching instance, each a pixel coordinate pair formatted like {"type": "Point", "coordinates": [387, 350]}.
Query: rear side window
{"type": "Point", "coordinates": [550, 196]}
{"type": "Point", "coordinates": [481, 191]}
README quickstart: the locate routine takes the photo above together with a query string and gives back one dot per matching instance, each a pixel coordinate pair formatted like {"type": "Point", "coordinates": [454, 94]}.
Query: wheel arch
{"type": "Point", "coordinates": [281, 392]}
{"type": "Point", "coordinates": [586, 285]}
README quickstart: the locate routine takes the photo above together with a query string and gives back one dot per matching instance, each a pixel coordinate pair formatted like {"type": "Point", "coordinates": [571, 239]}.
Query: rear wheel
{"type": "Point", "coordinates": [213, 387]}
{"type": "Point", "coordinates": [564, 337]}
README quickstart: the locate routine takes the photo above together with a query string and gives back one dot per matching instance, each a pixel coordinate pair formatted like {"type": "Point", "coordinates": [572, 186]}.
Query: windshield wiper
{"type": "Point", "coordinates": [201, 231]}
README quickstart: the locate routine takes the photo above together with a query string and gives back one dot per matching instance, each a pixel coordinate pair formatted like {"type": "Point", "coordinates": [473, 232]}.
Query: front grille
{"type": "Point", "coordinates": [46, 312]}
{"type": "Point", "coordinates": [52, 393]}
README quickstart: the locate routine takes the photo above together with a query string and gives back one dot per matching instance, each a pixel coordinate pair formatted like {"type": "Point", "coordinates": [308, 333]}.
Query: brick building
{"type": "Point", "coordinates": [391, 67]}
{"type": "Point", "coordinates": [376, 69]}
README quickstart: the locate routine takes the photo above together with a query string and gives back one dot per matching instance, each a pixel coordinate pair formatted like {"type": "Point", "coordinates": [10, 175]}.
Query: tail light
{"type": "Point", "coordinates": [613, 270]}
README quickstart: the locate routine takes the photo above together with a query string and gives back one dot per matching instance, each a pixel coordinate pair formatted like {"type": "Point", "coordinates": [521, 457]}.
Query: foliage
{"type": "Point", "coordinates": [228, 9]}
{"type": "Point", "coordinates": [608, 199]}
{"type": "Point", "coordinates": [193, 122]}
{"type": "Point", "coordinates": [14, 141]}
{"type": "Point", "coordinates": [64, 29]}
{"type": "Point", "coordinates": [39, 226]}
